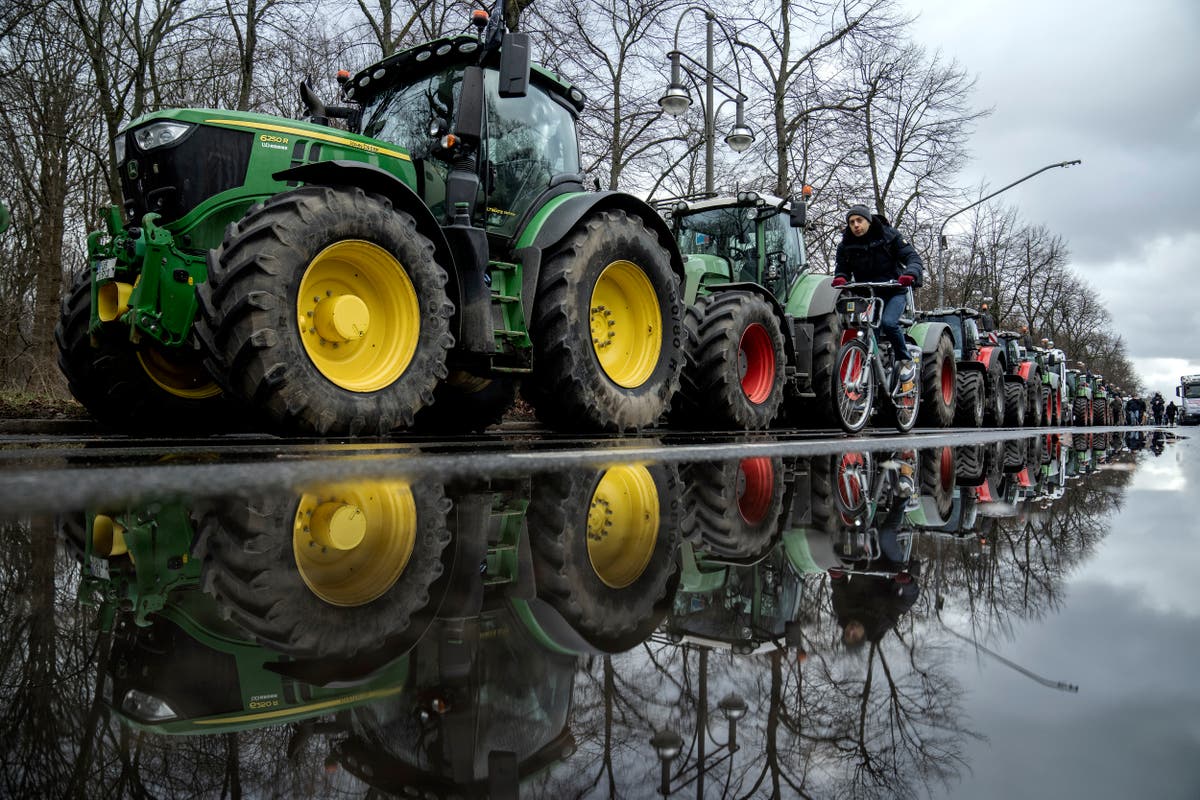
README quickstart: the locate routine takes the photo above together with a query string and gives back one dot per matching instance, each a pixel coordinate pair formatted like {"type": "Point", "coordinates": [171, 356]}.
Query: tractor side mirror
{"type": "Point", "coordinates": [1177, 392]}
{"type": "Point", "coordinates": [799, 214]}
{"type": "Point", "coordinates": [514, 65]}
{"type": "Point", "coordinates": [468, 125]}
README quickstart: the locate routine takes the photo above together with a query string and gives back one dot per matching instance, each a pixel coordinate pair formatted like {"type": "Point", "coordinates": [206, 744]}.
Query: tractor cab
{"type": "Point", "coordinates": [963, 328]}
{"type": "Point", "coordinates": [753, 238]}
{"type": "Point", "coordinates": [526, 136]}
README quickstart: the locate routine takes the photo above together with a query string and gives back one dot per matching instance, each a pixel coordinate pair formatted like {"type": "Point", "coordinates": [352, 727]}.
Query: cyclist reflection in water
{"type": "Point", "coordinates": [867, 606]}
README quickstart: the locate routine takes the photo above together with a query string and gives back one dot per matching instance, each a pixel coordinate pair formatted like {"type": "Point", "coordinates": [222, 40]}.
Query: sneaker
{"type": "Point", "coordinates": [906, 376]}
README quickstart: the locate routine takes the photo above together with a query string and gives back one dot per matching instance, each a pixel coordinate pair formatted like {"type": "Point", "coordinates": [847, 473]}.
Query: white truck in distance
{"type": "Point", "coordinates": [1188, 391]}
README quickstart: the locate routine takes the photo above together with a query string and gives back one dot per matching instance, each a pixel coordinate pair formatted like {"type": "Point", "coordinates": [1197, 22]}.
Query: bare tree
{"type": "Point", "coordinates": [614, 52]}
{"type": "Point", "coordinates": [795, 49]}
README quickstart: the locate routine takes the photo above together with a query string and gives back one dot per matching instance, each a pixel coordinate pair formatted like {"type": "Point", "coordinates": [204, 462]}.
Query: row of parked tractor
{"type": "Point", "coordinates": [423, 254]}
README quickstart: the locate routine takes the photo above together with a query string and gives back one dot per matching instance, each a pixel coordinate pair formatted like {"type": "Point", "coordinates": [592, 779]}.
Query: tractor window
{"type": "Point", "coordinates": [785, 256]}
{"type": "Point", "coordinates": [955, 323]}
{"type": "Point", "coordinates": [726, 233]}
{"type": "Point", "coordinates": [403, 115]}
{"type": "Point", "coordinates": [530, 140]}
{"type": "Point", "coordinates": [1192, 390]}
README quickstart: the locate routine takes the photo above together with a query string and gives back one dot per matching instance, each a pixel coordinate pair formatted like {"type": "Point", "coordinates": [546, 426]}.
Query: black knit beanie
{"type": "Point", "coordinates": [858, 210]}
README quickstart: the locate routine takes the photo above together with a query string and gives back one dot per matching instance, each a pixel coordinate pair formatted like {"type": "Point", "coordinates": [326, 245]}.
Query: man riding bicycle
{"type": "Point", "coordinates": [872, 250]}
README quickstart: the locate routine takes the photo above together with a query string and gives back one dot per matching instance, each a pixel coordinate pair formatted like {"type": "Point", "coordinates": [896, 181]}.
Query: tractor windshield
{"type": "Point", "coordinates": [727, 233]}
{"type": "Point", "coordinates": [955, 323]}
{"type": "Point", "coordinates": [530, 140]}
{"type": "Point", "coordinates": [784, 253]}
{"type": "Point", "coordinates": [404, 115]}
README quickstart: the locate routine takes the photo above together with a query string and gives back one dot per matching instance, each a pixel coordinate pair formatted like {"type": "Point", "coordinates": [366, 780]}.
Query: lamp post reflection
{"type": "Point", "coordinates": [668, 744]}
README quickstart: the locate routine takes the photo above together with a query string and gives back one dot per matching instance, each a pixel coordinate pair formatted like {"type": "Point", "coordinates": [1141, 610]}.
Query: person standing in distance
{"type": "Point", "coordinates": [872, 250]}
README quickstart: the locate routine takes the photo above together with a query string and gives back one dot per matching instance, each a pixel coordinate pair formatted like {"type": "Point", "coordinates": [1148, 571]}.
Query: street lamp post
{"type": "Point", "coordinates": [677, 100]}
{"type": "Point", "coordinates": [941, 231]}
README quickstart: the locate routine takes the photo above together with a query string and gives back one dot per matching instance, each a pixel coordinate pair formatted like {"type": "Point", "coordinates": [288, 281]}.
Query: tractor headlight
{"type": "Point", "coordinates": [147, 708]}
{"type": "Point", "coordinates": [160, 134]}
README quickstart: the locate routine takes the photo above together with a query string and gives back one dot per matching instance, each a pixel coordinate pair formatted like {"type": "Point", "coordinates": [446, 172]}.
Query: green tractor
{"type": "Point", "coordinates": [762, 327]}
{"type": "Point", "coordinates": [1079, 385]}
{"type": "Point", "coordinates": [410, 257]}
{"type": "Point", "coordinates": [981, 396]}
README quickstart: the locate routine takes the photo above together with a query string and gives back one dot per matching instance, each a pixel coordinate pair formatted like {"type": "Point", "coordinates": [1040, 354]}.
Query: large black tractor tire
{"type": "Point", "coordinates": [1079, 412]}
{"type": "Point", "coordinates": [1014, 404]}
{"type": "Point", "coordinates": [939, 469]}
{"type": "Point", "coordinates": [939, 385]}
{"type": "Point", "coordinates": [817, 411]}
{"type": "Point", "coordinates": [733, 377]}
{"type": "Point", "coordinates": [1015, 454]}
{"type": "Point", "coordinates": [970, 464]}
{"type": "Point", "coordinates": [604, 546]}
{"type": "Point", "coordinates": [467, 404]}
{"type": "Point", "coordinates": [969, 407]}
{"type": "Point", "coordinates": [325, 309]}
{"type": "Point", "coordinates": [1033, 402]}
{"type": "Point", "coordinates": [327, 573]}
{"type": "Point", "coordinates": [135, 388]}
{"type": "Point", "coordinates": [995, 403]}
{"type": "Point", "coordinates": [607, 328]}
{"type": "Point", "coordinates": [734, 507]}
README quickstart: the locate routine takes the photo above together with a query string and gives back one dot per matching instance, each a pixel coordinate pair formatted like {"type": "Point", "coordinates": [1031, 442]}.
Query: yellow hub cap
{"type": "Point", "coordinates": [358, 315]}
{"type": "Point", "coordinates": [183, 375]}
{"type": "Point", "coordinates": [352, 541]}
{"type": "Point", "coordinates": [626, 324]}
{"type": "Point", "coordinates": [622, 525]}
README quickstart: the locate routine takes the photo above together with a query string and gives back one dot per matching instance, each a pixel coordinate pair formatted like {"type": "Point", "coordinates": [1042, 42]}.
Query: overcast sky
{"type": "Point", "coordinates": [1116, 84]}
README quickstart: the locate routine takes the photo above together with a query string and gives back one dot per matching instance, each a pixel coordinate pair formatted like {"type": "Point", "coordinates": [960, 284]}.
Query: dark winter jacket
{"type": "Point", "coordinates": [881, 254]}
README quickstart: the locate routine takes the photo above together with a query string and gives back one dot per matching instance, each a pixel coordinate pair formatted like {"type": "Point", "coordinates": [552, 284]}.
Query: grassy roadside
{"type": "Point", "coordinates": [25, 405]}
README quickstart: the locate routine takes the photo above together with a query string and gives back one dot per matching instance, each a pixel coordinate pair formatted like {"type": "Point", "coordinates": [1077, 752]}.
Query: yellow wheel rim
{"type": "Point", "coordinates": [352, 542]}
{"type": "Point", "coordinates": [626, 324]}
{"type": "Point", "coordinates": [183, 375]}
{"type": "Point", "coordinates": [622, 525]}
{"type": "Point", "coordinates": [358, 315]}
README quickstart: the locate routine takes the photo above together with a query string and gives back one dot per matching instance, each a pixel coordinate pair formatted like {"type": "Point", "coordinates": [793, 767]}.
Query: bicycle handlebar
{"type": "Point", "coordinates": [870, 285]}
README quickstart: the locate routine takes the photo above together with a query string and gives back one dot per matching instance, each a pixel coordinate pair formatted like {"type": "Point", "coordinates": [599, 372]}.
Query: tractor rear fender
{"type": "Point", "coordinates": [554, 221]}
{"type": "Point", "coordinates": [927, 335]}
{"type": "Point", "coordinates": [372, 179]}
{"type": "Point", "coordinates": [986, 354]}
{"type": "Point", "coordinates": [972, 366]}
{"type": "Point", "coordinates": [812, 296]}
{"type": "Point", "coordinates": [1012, 378]}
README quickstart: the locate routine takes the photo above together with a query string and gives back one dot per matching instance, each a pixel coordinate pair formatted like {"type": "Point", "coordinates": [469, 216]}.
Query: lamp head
{"type": "Point", "coordinates": [676, 101]}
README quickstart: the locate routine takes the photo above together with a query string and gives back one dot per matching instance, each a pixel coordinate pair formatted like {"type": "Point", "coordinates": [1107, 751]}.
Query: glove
{"type": "Point", "coordinates": [838, 281]}
{"type": "Point", "coordinates": [906, 280]}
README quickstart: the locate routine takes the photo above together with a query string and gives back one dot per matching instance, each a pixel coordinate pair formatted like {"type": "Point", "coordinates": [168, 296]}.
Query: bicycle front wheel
{"type": "Point", "coordinates": [854, 386]}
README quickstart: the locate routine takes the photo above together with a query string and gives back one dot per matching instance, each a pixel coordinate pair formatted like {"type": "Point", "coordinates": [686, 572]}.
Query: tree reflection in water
{"type": "Point", "coordinates": [988, 538]}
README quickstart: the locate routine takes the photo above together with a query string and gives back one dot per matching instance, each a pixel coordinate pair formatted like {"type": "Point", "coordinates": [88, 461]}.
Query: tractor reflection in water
{"type": "Point", "coordinates": [440, 661]}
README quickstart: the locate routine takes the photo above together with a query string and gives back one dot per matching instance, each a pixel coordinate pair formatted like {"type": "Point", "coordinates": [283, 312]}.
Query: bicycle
{"type": "Point", "coordinates": [863, 362]}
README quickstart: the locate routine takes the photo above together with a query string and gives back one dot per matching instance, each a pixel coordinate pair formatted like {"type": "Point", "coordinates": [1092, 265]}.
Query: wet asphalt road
{"type": "Point", "coordinates": [47, 466]}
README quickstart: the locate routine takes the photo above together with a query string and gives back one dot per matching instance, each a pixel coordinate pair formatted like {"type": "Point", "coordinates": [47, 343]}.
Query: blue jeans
{"type": "Point", "coordinates": [889, 324]}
